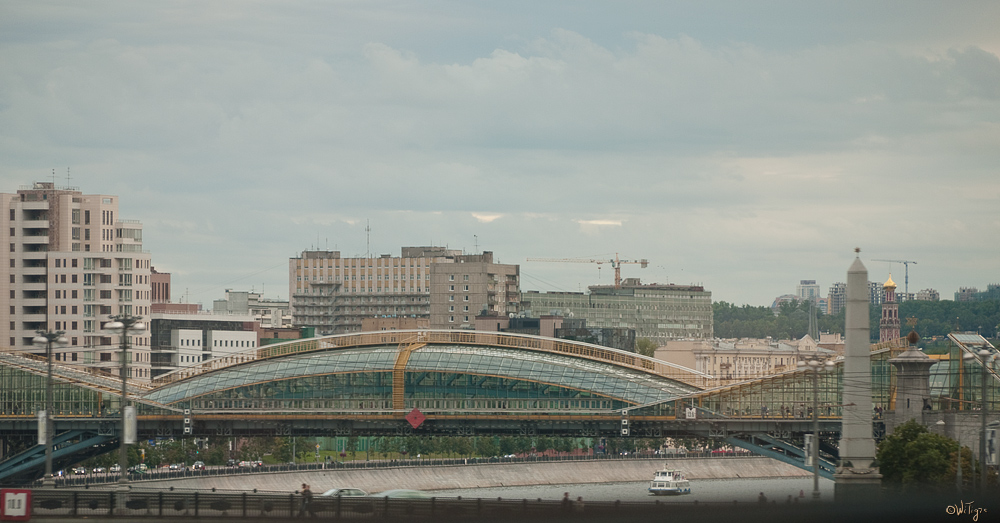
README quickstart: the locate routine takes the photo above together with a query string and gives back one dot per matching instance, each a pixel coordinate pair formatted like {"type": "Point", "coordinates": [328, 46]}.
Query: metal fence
{"type": "Point", "coordinates": [139, 504]}
{"type": "Point", "coordinates": [161, 474]}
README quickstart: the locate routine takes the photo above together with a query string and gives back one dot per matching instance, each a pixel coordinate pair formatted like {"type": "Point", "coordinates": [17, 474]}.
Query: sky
{"type": "Point", "coordinates": [742, 146]}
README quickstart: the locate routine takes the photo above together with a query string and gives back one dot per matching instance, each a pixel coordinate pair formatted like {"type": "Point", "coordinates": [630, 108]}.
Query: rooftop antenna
{"type": "Point", "coordinates": [67, 177]}
{"type": "Point", "coordinates": [53, 178]}
{"type": "Point", "coordinates": [476, 236]}
{"type": "Point", "coordinates": [368, 238]}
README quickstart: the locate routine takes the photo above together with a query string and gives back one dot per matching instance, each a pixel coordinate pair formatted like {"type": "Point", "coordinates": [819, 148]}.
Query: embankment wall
{"type": "Point", "coordinates": [487, 475]}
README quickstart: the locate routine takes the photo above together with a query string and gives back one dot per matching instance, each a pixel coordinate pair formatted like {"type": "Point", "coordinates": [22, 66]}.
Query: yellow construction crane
{"type": "Point", "coordinates": [616, 263]}
{"type": "Point", "coordinates": [906, 267]}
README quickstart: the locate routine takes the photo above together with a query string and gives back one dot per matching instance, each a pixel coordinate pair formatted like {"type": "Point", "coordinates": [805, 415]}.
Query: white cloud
{"type": "Point", "coordinates": [743, 158]}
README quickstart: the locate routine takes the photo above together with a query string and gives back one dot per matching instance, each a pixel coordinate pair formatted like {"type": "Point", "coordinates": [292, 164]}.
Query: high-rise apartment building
{"type": "Point", "coordinates": [807, 290]}
{"type": "Point", "coordinates": [70, 263]}
{"type": "Point", "coordinates": [875, 293]}
{"type": "Point", "coordinates": [928, 295]}
{"type": "Point", "coordinates": [837, 298]}
{"type": "Point", "coordinates": [471, 285]}
{"type": "Point", "coordinates": [658, 312]}
{"type": "Point", "coordinates": [334, 294]}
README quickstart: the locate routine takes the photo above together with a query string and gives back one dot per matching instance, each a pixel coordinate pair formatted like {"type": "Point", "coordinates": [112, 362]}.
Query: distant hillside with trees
{"type": "Point", "coordinates": [933, 318]}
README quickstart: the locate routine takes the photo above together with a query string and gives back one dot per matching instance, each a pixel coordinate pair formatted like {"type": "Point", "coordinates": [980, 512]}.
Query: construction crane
{"type": "Point", "coordinates": [616, 263]}
{"type": "Point", "coordinates": [906, 267]}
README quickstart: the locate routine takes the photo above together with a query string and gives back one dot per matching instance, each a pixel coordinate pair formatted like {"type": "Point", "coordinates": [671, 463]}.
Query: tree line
{"type": "Point", "coordinates": [932, 319]}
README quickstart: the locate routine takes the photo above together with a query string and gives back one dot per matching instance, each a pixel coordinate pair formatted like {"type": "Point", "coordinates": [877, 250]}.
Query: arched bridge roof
{"type": "Point", "coordinates": [398, 366]}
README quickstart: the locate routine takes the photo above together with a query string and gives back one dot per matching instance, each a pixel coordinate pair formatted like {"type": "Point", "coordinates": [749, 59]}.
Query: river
{"type": "Point", "coordinates": [703, 490]}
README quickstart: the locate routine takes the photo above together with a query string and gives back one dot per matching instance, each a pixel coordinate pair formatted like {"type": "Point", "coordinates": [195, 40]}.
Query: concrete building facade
{"type": "Point", "coordinates": [334, 294]}
{"type": "Point", "coordinates": [181, 340]}
{"type": "Point", "coordinates": [658, 312]}
{"type": "Point", "coordinates": [268, 313]}
{"type": "Point", "coordinates": [739, 359]}
{"type": "Point", "coordinates": [465, 286]}
{"type": "Point", "coordinates": [70, 264]}
{"type": "Point", "coordinates": [837, 298]}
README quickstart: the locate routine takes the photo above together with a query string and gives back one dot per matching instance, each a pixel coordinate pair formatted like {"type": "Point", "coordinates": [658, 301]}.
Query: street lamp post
{"type": "Point", "coordinates": [815, 366]}
{"type": "Point", "coordinates": [124, 324]}
{"type": "Point", "coordinates": [47, 338]}
{"type": "Point", "coordinates": [985, 356]}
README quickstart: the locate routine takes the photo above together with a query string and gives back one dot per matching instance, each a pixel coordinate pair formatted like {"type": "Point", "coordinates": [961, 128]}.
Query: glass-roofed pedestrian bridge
{"type": "Point", "coordinates": [456, 383]}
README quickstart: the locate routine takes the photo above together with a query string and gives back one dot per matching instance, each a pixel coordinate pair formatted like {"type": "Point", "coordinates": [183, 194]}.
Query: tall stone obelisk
{"type": "Point", "coordinates": [857, 476]}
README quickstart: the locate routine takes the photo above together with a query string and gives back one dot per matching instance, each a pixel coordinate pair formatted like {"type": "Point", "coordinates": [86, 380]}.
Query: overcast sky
{"type": "Point", "coordinates": [739, 145]}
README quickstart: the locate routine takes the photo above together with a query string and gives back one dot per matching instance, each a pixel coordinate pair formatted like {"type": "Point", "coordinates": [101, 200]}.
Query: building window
{"type": "Point", "coordinates": [451, 277]}
{"type": "Point", "coordinates": [451, 319]}
{"type": "Point", "coordinates": [450, 298]}
{"type": "Point", "coordinates": [465, 277]}
{"type": "Point", "coordinates": [466, 298]}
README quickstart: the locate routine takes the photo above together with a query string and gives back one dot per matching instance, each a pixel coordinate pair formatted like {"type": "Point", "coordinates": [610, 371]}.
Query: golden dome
{"type": "Point", "coordinates": [889, 283]}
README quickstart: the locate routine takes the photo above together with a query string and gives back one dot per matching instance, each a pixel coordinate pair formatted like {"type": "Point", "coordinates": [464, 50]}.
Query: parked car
{"type": "Point", "coordinates": [347, 491]}
{"type": "Point", "coordinates": [198, 465]}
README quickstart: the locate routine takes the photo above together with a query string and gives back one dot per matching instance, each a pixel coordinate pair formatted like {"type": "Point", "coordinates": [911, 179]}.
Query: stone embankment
{"type": "Point", "coordinates": [487, 475]}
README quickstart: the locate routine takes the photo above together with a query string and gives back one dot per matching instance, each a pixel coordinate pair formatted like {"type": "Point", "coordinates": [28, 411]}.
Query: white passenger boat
{"type": "Point", "coordinates": [669, 482]}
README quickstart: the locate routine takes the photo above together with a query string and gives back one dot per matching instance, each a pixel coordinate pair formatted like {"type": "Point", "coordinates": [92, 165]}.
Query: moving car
{"type": "Point", "coordinates": [79, 471]}
{"type": "Point", "coordinates": [347, 491]}
{"type": "Point", "coordinates": [116, 468]}
{"type": "Point", "coordinates": [100, 470]}
{"type": "Point", "coordinates": [198, 465]}
{"type": "Point", "coordinates": [401, 493]}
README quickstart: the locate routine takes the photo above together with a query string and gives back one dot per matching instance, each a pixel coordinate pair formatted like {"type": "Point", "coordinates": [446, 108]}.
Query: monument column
{"type": "Point", "coordinates": [857, 476]}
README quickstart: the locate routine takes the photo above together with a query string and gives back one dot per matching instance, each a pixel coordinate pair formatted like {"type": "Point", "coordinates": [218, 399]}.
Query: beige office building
{"type": "Point", "coordinates": [71, 263]}
{"type": "Point", "coordinates": [467, 286]}
{"type": "Point", "coordinates": [334, 294]}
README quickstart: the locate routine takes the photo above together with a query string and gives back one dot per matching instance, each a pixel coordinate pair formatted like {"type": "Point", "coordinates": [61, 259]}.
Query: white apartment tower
{"type": "Point", "coordinates": [71, 263]}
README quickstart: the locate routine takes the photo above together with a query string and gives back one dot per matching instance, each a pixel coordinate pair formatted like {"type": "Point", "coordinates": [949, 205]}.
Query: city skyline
{"type": "Point", "coordinates": [739, 147]}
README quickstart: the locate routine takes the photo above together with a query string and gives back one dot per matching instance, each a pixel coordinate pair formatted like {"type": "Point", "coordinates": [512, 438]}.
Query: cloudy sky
{"type": "Point", "coordinates": [739, 145]}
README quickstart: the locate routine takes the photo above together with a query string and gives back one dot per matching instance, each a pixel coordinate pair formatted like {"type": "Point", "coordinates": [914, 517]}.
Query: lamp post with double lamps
{"type": "Point", "coordinates": [124, 324]}
{"type": "Point", "coordinates": [46, 339]}
{"type": "Point", "coordinates": [815, 366]}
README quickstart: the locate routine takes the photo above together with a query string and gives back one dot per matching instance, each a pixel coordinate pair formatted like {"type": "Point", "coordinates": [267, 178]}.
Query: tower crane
{"type": "Point", "coordinates": [906, 267]}
{"type": "Point", "coordinates": [616, 263]}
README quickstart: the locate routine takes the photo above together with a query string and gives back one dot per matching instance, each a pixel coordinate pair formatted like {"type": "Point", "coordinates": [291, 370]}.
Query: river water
{"type": "Point", "coordinates": [703, 490]}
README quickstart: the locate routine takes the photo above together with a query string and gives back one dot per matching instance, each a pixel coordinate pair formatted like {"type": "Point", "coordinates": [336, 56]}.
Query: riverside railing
{"type": "Point", "coordinates": [136, 504]}
{"type": "Point", "coordinates": [91, 479]}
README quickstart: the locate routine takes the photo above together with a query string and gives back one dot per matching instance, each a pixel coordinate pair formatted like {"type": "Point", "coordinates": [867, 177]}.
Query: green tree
{"type": "Point", "coordinates": [912, 456]}
{"type": "Point", "coordinates": [645, 347]}
{"type": "Point", "coordinates": [487, 446]}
